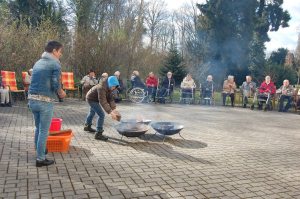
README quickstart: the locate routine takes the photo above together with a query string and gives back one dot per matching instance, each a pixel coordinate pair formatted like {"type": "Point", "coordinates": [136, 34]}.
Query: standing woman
{"type": "Point", "coordinates": [45, 85]}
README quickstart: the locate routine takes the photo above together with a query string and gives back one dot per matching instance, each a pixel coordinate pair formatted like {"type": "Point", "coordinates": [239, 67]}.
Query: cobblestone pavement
{"type": "Point", "coordinates": [227, 153]}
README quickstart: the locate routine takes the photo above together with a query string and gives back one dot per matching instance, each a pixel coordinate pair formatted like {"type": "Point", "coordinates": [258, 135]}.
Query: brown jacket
{"type": "Point", "coordinates": [229, 87]}
{"type": "Point", "coordinates": [101, 93]}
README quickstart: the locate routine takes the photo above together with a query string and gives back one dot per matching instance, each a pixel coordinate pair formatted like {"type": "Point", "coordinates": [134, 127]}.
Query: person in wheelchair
{"type": "Point", "coordinates": [187, 88]}
{"type": "Point", "coordinates": [286, 92]}
{"type": "Point", "coordinates": [151, 83]}
{"type": "Point", "coordinates": [229, 88]}
{"type": "Point", "coordinates": [167, 87]}
{"type": "Point", "coordinates": [297, 100]}
{"type": "Point", "coordinates": [207, 89]}
{"type": "Point", "coordinates": [138, 91]}
{"type": "Point", "coordinates": [136, 80]}
{"type": "Point", "coordinates": [248, 89]}
{"type": "Point", "coordinates": [120, 90]}
{"type": "Point", "coordinates": [266, 92]}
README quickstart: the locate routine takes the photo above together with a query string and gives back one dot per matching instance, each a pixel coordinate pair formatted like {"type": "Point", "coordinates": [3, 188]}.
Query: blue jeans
{"type": "Point", "coordinates": [95, 108]}
{"type": "Point", "coordinates": [42, 113]}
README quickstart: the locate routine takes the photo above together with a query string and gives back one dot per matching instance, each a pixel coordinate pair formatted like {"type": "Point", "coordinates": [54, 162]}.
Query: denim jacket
{"type": "Point", "coordinates": [45, 78]}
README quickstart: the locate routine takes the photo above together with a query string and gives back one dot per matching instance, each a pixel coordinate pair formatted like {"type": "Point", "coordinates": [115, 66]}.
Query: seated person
{"type": "Point", "coordinates": [120, 88]}
{"type": "Point", "coordinates": [286, 92]}
{"type": "Point", "coordinates": [266, 90]}
{"type": "Point", "coordinates": [207, 89]}
{"type": "Point", "coordinates": [152, 83]}
{"type": "Point", "coordinates": [4, 95]}
{"type": "Point", "coordinates": [229, 88]}
{"type": "Point", "coordinates": [167, 87]}
{"type": "Point", "coordinates": [187, 86]}
{"type": "Point", "coordinates": [27, 79]}
{"type": "Point", "coordinates": [136, 80]}
{"type": "Point", "coordinates": [103, 77]}
{"type": "Point", "coordinates": [248, 89]}
{"type": "Point", "coordinates": [88, 82]}
{"type": "Point", "coordinates": [298, 100]}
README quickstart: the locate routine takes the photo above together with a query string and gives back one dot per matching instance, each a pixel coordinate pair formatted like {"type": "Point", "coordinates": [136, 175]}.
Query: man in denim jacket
{"type": "Point", "coordinates": [45, 86]}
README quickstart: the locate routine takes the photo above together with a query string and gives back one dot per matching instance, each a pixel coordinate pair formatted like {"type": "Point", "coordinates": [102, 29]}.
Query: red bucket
{"type": "Point", "coordinates": [55, 124]}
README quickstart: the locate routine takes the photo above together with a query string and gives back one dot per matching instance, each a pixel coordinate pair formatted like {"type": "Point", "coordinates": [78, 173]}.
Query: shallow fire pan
{"type": "Point", "coordinates": [167, 128]}
{"type": "Point", "coordinates": [132, 129]}
{"type": "Point", "coordinates": [144, 121]}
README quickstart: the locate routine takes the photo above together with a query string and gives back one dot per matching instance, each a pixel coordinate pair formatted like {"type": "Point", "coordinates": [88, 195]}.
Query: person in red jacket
{"type": "Point", "coordinates": [266, 91]}
{"type": "Point", "coordinates": [151, 83]}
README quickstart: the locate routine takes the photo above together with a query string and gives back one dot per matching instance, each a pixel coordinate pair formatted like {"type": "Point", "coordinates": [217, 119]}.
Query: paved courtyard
{"type": "Point", "coordinates": [227, 153]}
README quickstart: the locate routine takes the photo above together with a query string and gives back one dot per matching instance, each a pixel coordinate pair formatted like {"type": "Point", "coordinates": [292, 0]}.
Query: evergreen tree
{"type": "Point", "coordinates": [174, 63]}
{"type": "Point", "coordinates": [279, 56]}
{"type": "Point", "coordinates": [33, 12]}
{"type": "Point", "coordinates": [275, 67]}
{"type": "Point", "coordinates": [235, 32]}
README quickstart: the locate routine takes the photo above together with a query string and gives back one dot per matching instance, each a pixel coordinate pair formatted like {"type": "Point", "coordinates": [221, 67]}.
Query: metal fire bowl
{"type": "Point", "coordinates": [136, 121]}
{"type": "Point", "coordinates": [167, 128]}
{"type": "Point", "coordinates": [132, 129]}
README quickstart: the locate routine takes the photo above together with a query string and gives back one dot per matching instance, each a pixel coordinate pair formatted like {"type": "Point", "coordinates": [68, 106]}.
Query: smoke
{"type": "Point", "coordinates": [221, 44]}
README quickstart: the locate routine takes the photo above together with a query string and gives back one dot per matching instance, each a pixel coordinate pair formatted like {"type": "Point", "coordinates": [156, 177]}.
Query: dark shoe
{"type": "Point", "coordinates": [2, 105]}
{"type": "Point", "coordinates": [99, 136]}
{"type": "Point", "coordinates": [44, 163]}
{"type": "Point", "coordinates": [8, 104]}
{"type": "Point", "coordinates": [252, 107]}
{"type": "Point", "coordinates": [244, 106]}
{"type": "Point", "coordinates": [89, 128]}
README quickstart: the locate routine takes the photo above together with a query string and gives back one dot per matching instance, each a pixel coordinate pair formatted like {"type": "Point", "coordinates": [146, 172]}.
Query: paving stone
{"type": "Point", "coordinates": [226, 153]}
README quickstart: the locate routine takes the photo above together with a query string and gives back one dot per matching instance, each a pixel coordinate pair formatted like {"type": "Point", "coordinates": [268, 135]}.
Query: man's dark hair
{"type": "Point", "coordinates": [91, 71]}
{"type": "Point", "coordinates": [51, 45]}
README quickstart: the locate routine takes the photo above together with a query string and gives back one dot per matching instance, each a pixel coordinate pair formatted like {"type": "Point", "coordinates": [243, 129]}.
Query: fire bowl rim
{"type": "Point", "coordinates": [167, 131]}
{"type": "Point", "coordinates": [129, 133]}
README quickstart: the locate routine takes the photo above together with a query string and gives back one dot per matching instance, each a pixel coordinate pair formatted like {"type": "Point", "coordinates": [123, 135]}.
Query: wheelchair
{"type": "Point", "coordinates": [260, 99]}
{"type": "Point", "coordinates": [164, 95]}
{"type": "Point", "coordinates": [207, 98]}
{"type": "Point", "coordinates": [139, 95]}
{"type": "Point", "coordinates": [187, 96]}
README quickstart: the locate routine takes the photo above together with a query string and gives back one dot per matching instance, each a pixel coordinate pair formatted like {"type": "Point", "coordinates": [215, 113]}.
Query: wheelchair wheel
{"type": "Point", "coordinates": [137, 95]}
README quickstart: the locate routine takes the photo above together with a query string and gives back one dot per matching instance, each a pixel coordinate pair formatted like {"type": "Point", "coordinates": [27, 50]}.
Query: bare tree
{"type": "Point", "coordinates": [155, 15]}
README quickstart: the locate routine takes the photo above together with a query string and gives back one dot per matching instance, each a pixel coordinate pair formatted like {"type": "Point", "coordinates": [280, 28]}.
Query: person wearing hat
{"type": "Point", "coordinates": [98, 97]}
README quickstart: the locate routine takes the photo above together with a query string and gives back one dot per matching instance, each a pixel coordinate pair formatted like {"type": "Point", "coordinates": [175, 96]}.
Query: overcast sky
{"type": "Point", "coordinates": [284, 37]}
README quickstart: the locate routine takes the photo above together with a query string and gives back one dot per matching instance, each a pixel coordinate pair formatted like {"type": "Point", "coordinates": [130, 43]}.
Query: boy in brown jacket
{"type": "Point", "coordinates": [98, 97]}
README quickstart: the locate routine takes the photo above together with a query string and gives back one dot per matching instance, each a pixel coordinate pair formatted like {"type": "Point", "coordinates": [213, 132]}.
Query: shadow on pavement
{"type": "Point", "coordinates": [165, 150]}
{"type": "Point", "coordinates": [177, 142]}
